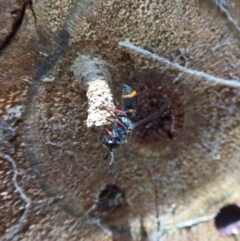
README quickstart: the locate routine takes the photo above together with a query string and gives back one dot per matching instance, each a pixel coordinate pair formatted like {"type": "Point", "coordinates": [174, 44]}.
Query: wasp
{"type": "Point", "coordinates": [122, 123]}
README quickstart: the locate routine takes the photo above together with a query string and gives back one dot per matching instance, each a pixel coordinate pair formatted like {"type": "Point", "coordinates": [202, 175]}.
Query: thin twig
{"type": "Point", "coordinates": [192, 222]}
{"type": "Point", "coordinates": [176, 66]}
{"type": "Point", "coordinates": [23, 220]}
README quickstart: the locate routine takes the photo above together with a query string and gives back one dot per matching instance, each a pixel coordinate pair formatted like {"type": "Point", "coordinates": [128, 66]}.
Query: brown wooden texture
{"type": "Point", "coordinates": [174, 172]}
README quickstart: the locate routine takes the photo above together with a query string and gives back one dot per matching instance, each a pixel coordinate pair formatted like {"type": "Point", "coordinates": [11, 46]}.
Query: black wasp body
{"type": "Point", "coordinates": [122, 124]}
{"type": "Point", "coordinates": [118, 135]}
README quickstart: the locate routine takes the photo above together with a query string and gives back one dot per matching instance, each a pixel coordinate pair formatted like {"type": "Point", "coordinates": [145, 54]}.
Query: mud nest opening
{"type": "Point", "coordinates": [110, 197]}
{"type": "Point", "coordinates": [154, 90]}
{"type": "Point", "coordinates": [227, 220]}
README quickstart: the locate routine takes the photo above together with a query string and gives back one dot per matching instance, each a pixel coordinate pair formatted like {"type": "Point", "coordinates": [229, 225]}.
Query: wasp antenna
{"type": "Point", "coordinates": [112, 158]}
{"type": "Point", "coordinates": [154, 116]}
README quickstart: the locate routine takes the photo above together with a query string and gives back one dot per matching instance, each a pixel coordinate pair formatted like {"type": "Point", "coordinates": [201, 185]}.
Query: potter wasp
{"type": "Point", "coordinates": [122, 123]}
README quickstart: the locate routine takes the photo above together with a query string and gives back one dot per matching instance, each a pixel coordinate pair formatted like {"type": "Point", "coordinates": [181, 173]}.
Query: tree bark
{"type": "Point", "coordinates": [174, 173]}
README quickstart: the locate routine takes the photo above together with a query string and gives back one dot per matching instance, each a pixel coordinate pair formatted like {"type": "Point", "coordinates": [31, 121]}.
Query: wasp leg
{"type": "Point", "coordinates": [111, 119]}
{"type": "Point", "coordinates": [114, 110]}
{"type": "Point", "coordinates": [105, 158]}
{"type": "Point", "coordinates": [119, 105]}
{"type": "Point", "coordinates": [109, 133]}
{"type": "Point", "coordinates": [112, 158]}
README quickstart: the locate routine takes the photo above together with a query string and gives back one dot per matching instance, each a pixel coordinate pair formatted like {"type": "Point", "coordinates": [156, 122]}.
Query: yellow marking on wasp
{"type": "Point", "coordinates": [132, 110]}
{"type": "Point", "coordinates": [134, 93]}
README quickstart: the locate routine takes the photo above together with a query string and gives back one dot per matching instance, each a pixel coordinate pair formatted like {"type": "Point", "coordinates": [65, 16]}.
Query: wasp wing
{"type": "Point", "coordinates": [154, 116]}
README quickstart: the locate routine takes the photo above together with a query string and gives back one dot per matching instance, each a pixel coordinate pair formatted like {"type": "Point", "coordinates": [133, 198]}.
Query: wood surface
{"type": "Point", "coordinates": [173, 174]}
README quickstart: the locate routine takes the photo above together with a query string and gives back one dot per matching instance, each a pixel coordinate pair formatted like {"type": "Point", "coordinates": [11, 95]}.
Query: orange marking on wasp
{"type": "Point", "coordinates": [131, 95]}
{"type": "Point", "coordinates": [132, 110]}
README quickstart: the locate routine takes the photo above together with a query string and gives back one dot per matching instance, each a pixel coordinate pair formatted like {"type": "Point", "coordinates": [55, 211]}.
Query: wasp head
{"type": "Point", "coordinates": [111, 143]}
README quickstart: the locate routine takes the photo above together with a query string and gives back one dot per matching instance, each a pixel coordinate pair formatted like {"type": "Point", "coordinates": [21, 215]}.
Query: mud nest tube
{"type": "Point", "coordinates": [95, 78]}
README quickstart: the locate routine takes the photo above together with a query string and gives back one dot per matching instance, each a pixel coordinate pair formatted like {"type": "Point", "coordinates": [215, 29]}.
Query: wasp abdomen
{"type": "Point", "coordinates": [129, 99]}
{"type": "Point", "coordinates": [128, 92]}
